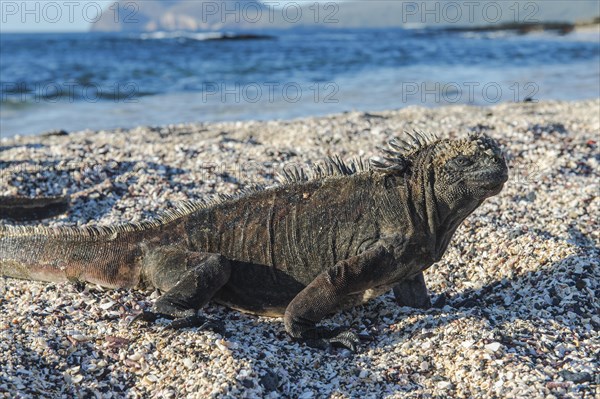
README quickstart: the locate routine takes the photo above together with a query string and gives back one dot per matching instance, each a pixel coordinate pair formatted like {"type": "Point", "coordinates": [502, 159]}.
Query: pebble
{"type": "Point", "coordinates": [493, 347]}
{"type": "Point", "coordinates": [520, 279]}
{"type": "Point", "coordinates": [107, 305]}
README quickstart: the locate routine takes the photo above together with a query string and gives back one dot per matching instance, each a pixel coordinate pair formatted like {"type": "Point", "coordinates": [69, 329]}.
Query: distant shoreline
{"type": "Point", "coordinates": [531, 27]}
{"type": "Point", "coordinates": [591, 28]}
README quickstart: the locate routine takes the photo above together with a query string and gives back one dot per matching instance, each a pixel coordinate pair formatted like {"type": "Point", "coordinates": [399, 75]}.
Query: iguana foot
{"type": "Point", "coordinates": [322, 338]}
{"type": "Point", "coordinates": [413, 293]}
{"type": "Point", "coordinates": [346, 339]}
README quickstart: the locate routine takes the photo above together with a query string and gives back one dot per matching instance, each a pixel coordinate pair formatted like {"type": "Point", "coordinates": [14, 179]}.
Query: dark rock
{"type": "Point", "coordinates": [469, 303]}
{"type": "Point", "coordinates": [439, 302]}
{"type": "Point", "coordinates": [55, 133]}
{"type": "Point", "coordinates": [575, 377]}
{"type": "Point", "coordinates": [580, 284]}
{"type": "Point", "coordinates": [270, 381]}
{"type": "Point", "coordinates": [248, 383]}
{"type": "Point", "coordinates": [555, 301]}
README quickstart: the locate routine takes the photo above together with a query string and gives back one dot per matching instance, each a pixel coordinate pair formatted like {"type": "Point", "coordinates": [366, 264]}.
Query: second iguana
{"type": "Point", "coordinates": [302, 250]}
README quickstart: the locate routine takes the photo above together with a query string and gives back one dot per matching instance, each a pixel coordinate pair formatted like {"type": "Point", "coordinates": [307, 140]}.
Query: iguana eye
{"type": "Point", "coordinates": [462, 161]}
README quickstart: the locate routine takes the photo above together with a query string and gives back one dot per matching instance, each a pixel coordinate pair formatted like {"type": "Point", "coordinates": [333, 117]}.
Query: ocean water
{"type": "Point", "coordinates": [103, 81]}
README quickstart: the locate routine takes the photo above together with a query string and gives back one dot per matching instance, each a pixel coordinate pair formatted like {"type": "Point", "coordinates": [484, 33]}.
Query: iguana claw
{"type": "Point", "coordinates": [339, 338]}
{"type": "Point", "coordinates": [346, 339]}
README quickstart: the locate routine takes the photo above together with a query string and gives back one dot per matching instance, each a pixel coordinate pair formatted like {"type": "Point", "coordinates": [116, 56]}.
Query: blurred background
{"type": "Point", "coordinates": [77, 65]}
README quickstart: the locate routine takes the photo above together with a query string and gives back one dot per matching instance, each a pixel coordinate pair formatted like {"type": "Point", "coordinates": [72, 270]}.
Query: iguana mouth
{"type": "Point", "coordinates": [491, 180]}
{"type": "Point", "coordinates": [493, 190]}
{"type": "Point", "coordinates": [496, 183]}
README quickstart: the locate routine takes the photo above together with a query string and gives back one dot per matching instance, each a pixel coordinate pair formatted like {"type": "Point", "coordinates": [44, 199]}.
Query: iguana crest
{"type": "Point", "coordinates": [397, 158]}
{"type": "Point", "coordinates": [401, 149]}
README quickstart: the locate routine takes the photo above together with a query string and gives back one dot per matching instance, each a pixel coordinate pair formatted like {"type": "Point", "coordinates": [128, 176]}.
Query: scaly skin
{"type": "Point", "coordinates": [301, 250]}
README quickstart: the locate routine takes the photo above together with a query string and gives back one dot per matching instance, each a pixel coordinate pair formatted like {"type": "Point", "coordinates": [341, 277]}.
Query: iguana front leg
{"type": "Point", "coordinates": [189, 280]}
{"type": "Point", "coordinates": [330, 291]}
{"type": "Point", "coordinates": [413, 293]}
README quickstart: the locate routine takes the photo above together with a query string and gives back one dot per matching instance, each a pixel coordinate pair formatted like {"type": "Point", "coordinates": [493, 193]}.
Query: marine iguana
{"type": "Point", "coordinates": [302, 250]}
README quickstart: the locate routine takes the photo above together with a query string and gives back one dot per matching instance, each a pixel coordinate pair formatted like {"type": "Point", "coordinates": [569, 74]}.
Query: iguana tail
{"type": "Point", "coordinates": [24, 208]}
{"type": "Point", "coordinates": [107, 256]}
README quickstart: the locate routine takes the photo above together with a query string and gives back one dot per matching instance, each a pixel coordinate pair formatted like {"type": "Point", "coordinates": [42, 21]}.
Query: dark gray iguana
{"type": "Point", "coordinates": [301, 250]}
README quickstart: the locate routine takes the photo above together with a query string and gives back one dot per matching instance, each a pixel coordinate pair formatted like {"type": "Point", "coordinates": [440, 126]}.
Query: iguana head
{"type": "Point", "coordinates": [472, 168]}
{"type": "Point", "coordinates": [455, 176]}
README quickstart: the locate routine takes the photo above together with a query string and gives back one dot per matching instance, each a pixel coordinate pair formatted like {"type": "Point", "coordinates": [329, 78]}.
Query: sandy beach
{"type": "Point", "coordinates": [520, 281]}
